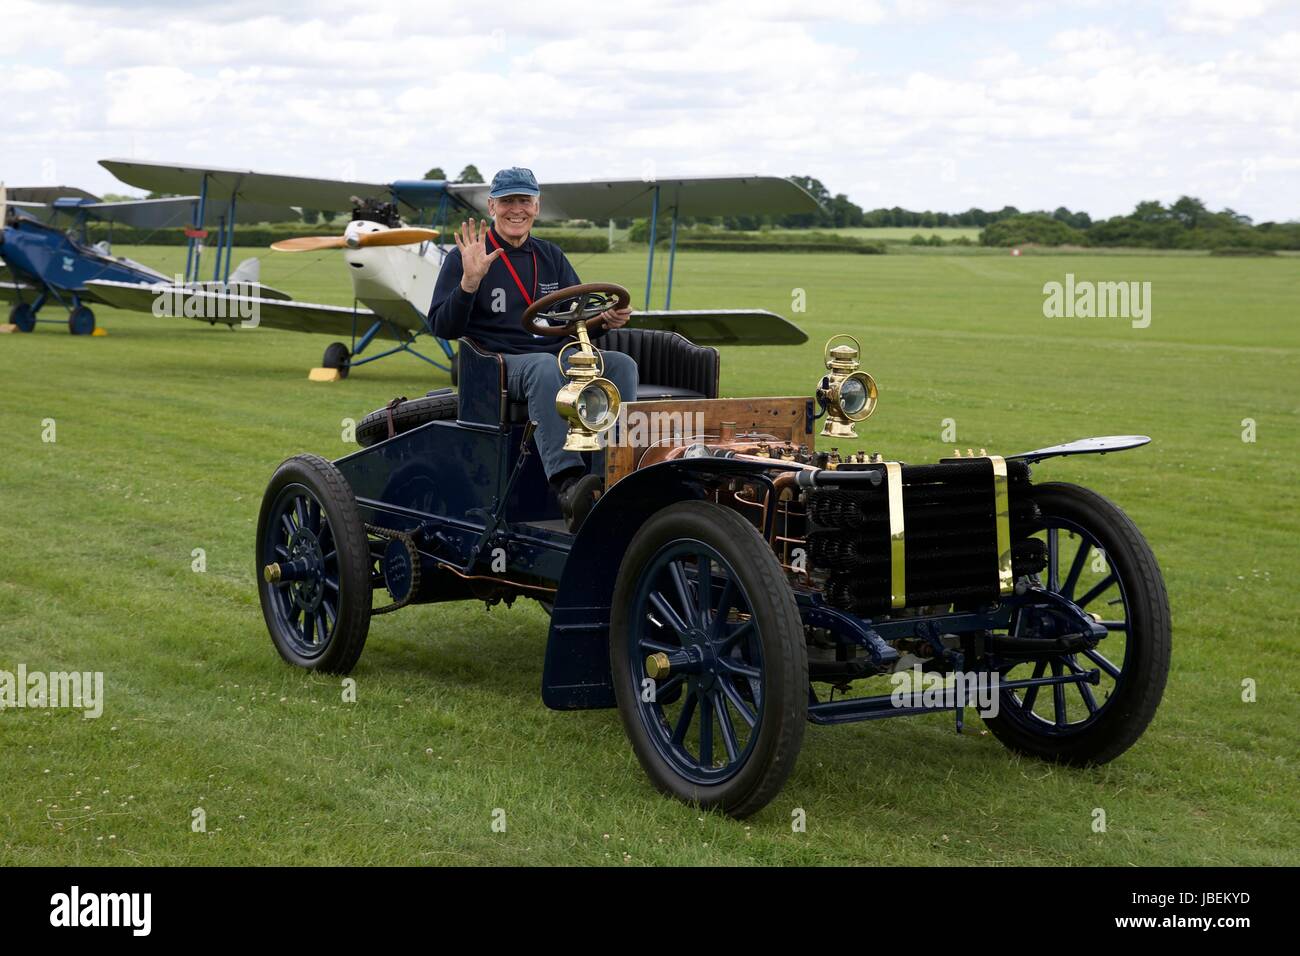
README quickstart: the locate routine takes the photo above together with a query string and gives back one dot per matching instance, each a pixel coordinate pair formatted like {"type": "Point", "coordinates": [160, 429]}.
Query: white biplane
{"type": "Point", "coordinates": [394, 264]}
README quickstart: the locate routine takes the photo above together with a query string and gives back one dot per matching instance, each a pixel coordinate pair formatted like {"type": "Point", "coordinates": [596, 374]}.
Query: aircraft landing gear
{"type": "Point", "coordinates": [81, 321]}
{"type": "Point", "coordinates": [23, 316]}
{"type": "Point", "coordinates": [337, 356]}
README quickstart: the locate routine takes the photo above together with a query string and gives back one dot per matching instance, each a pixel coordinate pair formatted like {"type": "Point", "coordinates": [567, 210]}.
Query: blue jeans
{"type": "Point", "coordinates": [535, 377]}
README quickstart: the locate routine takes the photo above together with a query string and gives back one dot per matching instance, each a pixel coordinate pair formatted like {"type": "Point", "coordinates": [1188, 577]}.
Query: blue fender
{"type": "Point", "coordinates": [1084, 446]}
{"type": "Point", "coordinates": [577, 675]}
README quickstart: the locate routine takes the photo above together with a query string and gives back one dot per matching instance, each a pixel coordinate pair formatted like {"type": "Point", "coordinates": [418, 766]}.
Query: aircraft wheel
{"type": "Point", "coordinates": [81, 321]}
{"type": "Point", "coordinates": [23, 316]}
{"type": "Point", "coordinates": [337, 356]}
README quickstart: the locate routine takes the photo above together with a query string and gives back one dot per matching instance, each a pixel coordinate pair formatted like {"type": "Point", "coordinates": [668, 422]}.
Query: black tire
{"type": "Point", "coordinates": [81, 321]}
{"type": "Point", "coordinates": [22, 316]}
{"type": "Point", "coordinates": [1107, 727]}
{"type": "Point", "coordinates": [776, 653]}
{"type": "Point", "coordinates": [337, 356]}
{"type": "Point", "coordinates": [409, 414]}
{"type": "Point", "coordinates": [329, 515]}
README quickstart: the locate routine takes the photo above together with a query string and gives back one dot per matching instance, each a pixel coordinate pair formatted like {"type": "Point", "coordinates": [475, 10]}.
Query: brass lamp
{"type": "Point", "coordinates": [589, 402]}
{"type": "Point", "coordinates": [848, 394]}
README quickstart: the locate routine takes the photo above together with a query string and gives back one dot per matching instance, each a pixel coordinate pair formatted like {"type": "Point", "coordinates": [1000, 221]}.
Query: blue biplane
{"type": "Point", "coordinates": [45, 250]}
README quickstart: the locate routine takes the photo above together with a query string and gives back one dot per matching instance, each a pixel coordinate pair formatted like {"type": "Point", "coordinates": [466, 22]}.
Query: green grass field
{"type": "Point", "coordinates": [167, 431]}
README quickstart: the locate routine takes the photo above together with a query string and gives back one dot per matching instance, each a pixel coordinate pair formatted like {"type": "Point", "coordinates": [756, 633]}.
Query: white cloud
{"type": "Point", "coordinates": [37, 79]}
{"type": "Point", "coordinates": [1039, 104]}
{"type": "Point", "coordinates": [1218, 16]}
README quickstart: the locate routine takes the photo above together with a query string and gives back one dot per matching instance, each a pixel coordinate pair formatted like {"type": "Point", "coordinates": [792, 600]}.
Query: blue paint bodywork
{"type": "Point", "coordinates": [60, 265]}
{"type": "Point", "coordinates": [464, 488]}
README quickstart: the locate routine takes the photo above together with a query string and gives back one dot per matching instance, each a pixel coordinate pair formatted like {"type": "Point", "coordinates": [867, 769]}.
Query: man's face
{"type": "Point", "coordinates": [514, 215]}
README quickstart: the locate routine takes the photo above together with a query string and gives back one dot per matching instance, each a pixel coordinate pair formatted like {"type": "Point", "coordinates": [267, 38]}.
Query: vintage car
{"type": "Point", "coordinates": [733, 581]}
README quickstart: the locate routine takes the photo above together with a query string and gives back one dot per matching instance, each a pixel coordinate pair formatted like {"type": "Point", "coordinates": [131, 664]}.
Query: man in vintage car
{"type": "Point", "coordinates": [489, 279]}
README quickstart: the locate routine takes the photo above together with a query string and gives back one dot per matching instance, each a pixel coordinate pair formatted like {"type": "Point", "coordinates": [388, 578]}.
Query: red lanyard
{"type": "Point", "coordinates": [505, 257]}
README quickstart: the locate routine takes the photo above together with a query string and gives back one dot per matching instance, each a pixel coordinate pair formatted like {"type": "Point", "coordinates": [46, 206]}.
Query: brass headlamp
{"type": "Point", "coordinates": [847, 393]}
{"type": "Point", "coordinates": [589, 402]}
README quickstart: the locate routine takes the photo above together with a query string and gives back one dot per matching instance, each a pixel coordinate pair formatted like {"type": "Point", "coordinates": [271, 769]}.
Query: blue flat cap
{"type": "Point", "coordinates": [515, 181]}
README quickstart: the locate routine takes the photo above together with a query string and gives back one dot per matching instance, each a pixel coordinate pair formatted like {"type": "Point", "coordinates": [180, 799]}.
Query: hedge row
{"type": "Point", "coordinates": [585, 242]}
{"type": "Point", "coordinates": [253, 236]}
{"type": "Point", "coordinates": [719, 244]}
{"type": "Point", "coordinates": [1242, 251]}
{"type": "Point", "coordinates": [707, 238]}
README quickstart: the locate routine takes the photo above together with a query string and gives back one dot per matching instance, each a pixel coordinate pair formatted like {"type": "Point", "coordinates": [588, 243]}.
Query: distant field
{"type": "Point", "coordinates": [167, 431]}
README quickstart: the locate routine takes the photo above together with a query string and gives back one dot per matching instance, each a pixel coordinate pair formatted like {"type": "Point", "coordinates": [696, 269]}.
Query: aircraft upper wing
{"type": "Point", "coordinates": [723, 326]}
{"type": "Point", "coordinates": [285, 314]}
{"type": "Point", "coordinates": [150, 213]}
{"type": "Point", "coordinates": [245, 184]}
{"type": "Point", "coordinates": [47, 194]}
{"type": "Point", "coordinates": [181, 211]}
{"type": "Point", "coordinates": [703, 196]}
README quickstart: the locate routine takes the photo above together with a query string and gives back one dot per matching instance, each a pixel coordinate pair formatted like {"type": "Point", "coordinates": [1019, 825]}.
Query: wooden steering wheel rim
{"type": "Point", "coordinates": [621, 299]}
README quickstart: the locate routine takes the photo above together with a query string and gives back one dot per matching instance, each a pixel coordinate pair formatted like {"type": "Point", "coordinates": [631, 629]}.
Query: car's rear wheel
{"type": "Point", "coordinates": [708, 658]}
{"type": "Point", "coordinates": [313, 565]}
{"type": "Point", "coordinates": [1096, 558]}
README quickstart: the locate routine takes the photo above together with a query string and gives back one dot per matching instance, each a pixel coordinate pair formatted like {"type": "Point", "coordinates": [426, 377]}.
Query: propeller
{"type": "Point", "coordinates": [4, 203]}
{"type": "Point", "coordinates": [387, 237]}
{"type": "Point", "coordinates": [309, 243]}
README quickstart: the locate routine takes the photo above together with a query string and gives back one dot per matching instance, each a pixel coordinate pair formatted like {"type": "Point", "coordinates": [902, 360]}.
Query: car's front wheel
{"type": "Point", "coordinates": [1097, 559]}
{"type": "Point", "coordinates": [708, 657]}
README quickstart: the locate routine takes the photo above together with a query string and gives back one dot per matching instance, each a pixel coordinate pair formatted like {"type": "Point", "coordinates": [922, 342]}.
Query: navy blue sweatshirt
{"type": "Point", "coordinates": [455, 312]}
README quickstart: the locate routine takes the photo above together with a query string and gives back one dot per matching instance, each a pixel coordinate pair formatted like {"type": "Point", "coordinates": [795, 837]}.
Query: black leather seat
{"type": "Point", "coordinates": [669, 365]}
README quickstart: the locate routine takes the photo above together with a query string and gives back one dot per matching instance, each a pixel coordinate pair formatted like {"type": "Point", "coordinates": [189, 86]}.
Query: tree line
{"type": "Point", "coordinates": [1185, 224]}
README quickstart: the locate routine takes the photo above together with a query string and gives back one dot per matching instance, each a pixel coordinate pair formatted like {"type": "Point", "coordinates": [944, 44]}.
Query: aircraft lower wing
{"type": "Point", "coordinates": [18, 292]}
{"type": "Point", "coordinates": [215, 307]}
{"type": "Point", "coordinates": [723, 326]}
{"type": "Point", "coordinates": [701, 326]}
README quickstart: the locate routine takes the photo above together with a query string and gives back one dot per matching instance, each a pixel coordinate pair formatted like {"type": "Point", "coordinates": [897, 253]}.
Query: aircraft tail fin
{"type": "Point", "coordinates": [247, 271]}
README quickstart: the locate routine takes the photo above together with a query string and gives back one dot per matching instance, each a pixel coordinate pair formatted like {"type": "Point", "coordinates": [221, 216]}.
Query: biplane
{"type": "Point", "coordinates": [392, 257]}
{"type": "Point", "coordinates": [47, 254]}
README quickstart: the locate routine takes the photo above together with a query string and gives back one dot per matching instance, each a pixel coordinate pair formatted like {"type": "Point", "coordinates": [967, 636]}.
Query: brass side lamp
{"type": "Point", "coordinates": [847, 393]}
{"type": "Point", "coordinates": [589, 402]}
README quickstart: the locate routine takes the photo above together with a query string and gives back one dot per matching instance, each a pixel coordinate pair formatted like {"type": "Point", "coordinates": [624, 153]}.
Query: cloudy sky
{"type": "Point", "coordinates": [920, 103]}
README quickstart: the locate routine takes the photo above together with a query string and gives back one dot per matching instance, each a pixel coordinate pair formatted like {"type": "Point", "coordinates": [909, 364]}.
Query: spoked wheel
{"type": "Point", "coordinates": [1097, 558]}
{"type": "Point", "coordinates": [708, 656]}
{"type": "Point", "coordinates": [313, 565]}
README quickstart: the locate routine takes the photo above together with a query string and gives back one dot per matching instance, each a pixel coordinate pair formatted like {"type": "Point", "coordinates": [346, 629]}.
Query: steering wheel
{"type": "Point", "coordinates": [592, 298]}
